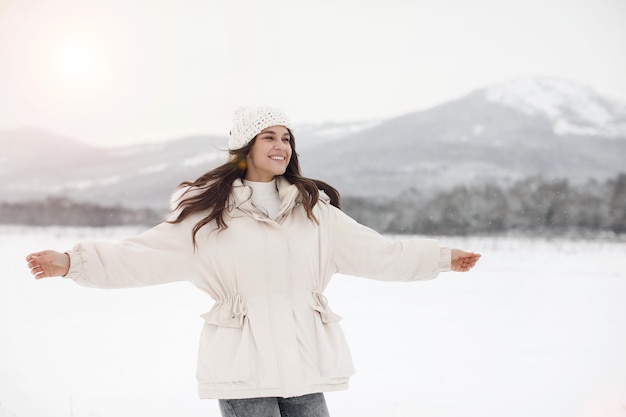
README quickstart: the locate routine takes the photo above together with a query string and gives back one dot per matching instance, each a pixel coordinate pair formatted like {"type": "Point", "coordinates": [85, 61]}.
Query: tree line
{"type": "Point", "coordinates": [61, 211]}
{"type": "Point", "coordinates": [533, 205]}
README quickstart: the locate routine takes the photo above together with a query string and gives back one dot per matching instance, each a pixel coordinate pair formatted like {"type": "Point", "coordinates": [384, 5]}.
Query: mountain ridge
{"type": "Point", "coordinates": [490, 135]}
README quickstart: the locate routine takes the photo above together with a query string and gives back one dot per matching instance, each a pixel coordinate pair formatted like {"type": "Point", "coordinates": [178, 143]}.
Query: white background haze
{"type": "Point", "coordinates": [120, 72]}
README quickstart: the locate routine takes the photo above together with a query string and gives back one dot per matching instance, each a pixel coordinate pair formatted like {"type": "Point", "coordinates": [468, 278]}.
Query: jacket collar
{"type": "Point", "coordinates": [241, 197]}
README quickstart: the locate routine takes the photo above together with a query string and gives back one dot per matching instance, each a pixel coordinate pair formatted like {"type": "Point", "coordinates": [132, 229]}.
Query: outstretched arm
{"type": "Point", "coordinates": [360, 251]}
{"type": "Point", "coordinates": [463, 261]}
{"type": "Point", "coordinates": [159, 255]}
{"type": "Point", "coordinates": [48, 263]}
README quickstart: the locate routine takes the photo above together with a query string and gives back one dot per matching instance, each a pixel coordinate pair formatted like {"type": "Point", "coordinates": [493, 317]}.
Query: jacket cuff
{"type": "Point", "coordinates": [445, 259]}
{"type": "Point", "coordinates": [76, 265]}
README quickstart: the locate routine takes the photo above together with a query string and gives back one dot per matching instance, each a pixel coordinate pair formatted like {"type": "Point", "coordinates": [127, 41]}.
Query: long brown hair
{"type": "Point", "coordinates": [215, 187]}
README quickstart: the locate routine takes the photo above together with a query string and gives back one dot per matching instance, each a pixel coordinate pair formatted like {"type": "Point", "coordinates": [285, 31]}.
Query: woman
{"type": "Point", "coordinates": [263, 241]}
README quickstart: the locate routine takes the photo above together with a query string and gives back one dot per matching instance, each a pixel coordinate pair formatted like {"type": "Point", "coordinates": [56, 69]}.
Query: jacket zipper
{"type": "Point", "coordinates": [272, 324]}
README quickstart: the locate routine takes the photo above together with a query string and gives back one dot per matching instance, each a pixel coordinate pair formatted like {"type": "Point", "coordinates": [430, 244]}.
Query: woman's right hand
{"type": "Point", "coordinates": [48, 263]}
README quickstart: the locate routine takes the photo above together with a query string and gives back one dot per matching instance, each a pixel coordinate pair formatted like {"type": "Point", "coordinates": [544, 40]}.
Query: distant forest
{"type": "Point", "coordinates": [60, 211]}
{"type": "Point", "coordinates": [533, 205]}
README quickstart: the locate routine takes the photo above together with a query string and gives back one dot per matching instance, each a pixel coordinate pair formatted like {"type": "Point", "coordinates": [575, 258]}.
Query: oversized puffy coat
{"type": "Point", "coordinates": [271, 331]}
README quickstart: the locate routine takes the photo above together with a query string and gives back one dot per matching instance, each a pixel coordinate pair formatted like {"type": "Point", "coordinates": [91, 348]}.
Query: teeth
{"type": "Point", "coordinates": [278, 158]}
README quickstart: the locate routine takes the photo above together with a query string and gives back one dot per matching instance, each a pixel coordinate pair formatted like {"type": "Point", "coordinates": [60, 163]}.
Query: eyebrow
{"type": "Point", "coordinates": [273, 132]}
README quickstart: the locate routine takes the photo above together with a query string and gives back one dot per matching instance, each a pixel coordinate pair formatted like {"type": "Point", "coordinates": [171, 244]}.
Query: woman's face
{"type": "Point", "coordinates": [270, 154]}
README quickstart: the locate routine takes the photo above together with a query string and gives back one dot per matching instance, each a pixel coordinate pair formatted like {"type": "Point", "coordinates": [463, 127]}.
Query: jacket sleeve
{"type": "Point", "coordinates": [162, 254]}
{"type": "Point", "coordinates": [360, 251]}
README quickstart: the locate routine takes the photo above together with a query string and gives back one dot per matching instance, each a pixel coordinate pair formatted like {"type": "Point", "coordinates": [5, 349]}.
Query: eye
{"type": "Point", "coordinates": [287, 139]}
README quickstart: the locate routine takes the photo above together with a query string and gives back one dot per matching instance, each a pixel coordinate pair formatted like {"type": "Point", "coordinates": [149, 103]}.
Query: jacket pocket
{"type": "Point", "coordinates": [226, 346]}
{"type": "Point", "coordinates": [335, 359]}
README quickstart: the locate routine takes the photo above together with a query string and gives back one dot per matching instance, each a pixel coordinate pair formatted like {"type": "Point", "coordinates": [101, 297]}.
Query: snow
{"type": "Point", "coordinates": [203, 158]}
{"type": "Point", "coordinates": [478, 130]}
{"type": "Point", "coordinates": [537, 329]}
{"type": "Point", "coordinates": [138, 149]}
{"type": "Point", "coordinates": [74, 185]}
{"type": "Point", "coordinates": [151, 169]}
{"type": "Point", "coordinates": [112, 179]}
{"type": "Point", "coordinates": [83, 184]}
{"type": "Point", "coordinates": [341, 130]}
{"type": "Point", "coordinates": [574, 109]}
{"type": "Point", "coordinates": [307, 135]}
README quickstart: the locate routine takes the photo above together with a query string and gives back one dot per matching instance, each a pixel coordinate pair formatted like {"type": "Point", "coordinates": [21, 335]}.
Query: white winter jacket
{"type": "Point", "coordinates": [271, 331]}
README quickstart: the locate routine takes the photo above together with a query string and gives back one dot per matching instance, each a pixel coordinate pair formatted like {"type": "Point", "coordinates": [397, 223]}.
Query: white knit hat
{"type": "Point", "coordinates": [250, 121]}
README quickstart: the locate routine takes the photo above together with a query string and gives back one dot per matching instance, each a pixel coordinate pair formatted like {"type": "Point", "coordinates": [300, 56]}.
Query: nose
{"type": "Point", "coordinates": [280, 145]}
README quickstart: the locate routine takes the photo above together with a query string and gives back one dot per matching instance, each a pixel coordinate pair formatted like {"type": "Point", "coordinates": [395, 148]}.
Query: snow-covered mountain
{"type": "Point", "coordinates": [35, 163]}
{"type": "Point", "coordinates": [572, 108]}
{"type": "Point", "coordinates": [525, 127]}
{"type": "Point", "coordinates": [141, 175]}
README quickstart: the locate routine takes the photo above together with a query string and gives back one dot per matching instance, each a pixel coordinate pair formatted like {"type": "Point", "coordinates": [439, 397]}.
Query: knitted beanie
{"type": "Point", "coordinates": [250, 121]}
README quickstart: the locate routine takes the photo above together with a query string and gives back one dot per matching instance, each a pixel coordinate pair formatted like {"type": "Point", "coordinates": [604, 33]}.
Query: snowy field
{"type": "Point", "coordinates": [537, 329]}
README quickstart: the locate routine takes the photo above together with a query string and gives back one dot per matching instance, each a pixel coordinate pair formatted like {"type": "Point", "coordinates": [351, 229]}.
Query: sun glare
{"type": "Point", "coordinates": [76, 60]}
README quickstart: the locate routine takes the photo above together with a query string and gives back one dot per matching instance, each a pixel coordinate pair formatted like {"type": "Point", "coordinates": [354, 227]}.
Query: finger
{"type": "Point", "coordinates": [37, 261]}
{"type": "Point", "coordinates": [38, 271]}
{"type": "Point", "coordinates": [473, 258]}
{"type": "Point", "coordinates": [36, 254]}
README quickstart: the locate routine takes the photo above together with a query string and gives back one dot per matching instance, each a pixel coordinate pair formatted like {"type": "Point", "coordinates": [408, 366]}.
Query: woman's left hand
{"type": "Point", "coordinates": [463, 261]}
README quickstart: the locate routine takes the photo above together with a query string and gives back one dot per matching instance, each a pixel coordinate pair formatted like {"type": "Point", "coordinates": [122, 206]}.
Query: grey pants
{"type": "Point", "coordinates": [311, 405]}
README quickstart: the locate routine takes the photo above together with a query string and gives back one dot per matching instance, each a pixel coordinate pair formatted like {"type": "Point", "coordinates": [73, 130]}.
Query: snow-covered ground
{"type": "Point", "coordinates": [537, 329]}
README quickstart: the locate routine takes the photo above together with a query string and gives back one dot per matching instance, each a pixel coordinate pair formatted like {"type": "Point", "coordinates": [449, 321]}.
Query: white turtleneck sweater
{"type": "Point", "coordinates": [265, 197]}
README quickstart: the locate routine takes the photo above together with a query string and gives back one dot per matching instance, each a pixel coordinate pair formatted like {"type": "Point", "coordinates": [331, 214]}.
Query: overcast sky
{"type": "Point", "coordinates": [120, 72]}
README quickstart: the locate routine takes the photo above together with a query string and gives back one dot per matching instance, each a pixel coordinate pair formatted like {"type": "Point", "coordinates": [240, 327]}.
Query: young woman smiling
{"type": "Point", "coordinates": [263, 241]}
